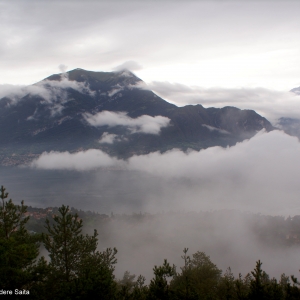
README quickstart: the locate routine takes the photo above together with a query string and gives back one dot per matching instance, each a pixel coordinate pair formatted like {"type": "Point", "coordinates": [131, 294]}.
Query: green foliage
{"type": "Point", "coordinates": [77, 270]}
{"type": "Point", "coordinates": [199, 277]}
{"type": "Point", "coordinates": [258, 284]}
{"type": "Point", "coordinates": [242, 287]}
{"type": "Point", "coordinates": [18, 249]}
{"type": "Point", "coordinates": [66, 245]}
{"type": "Point", "coordinates": [159, 287]}
{"type": "Point", "coordinates": [226, 289]}
{"type": "Point", "coordinates": [291, 292]}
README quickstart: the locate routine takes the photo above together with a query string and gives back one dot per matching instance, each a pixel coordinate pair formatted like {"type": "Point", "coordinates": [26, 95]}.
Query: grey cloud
{"type": "Point", "coordinates": [130, 65]}
{"type": "Point", "coordinates": [63, 68]}
{"type": "Point", "coordinates": [226, 236]}
{"type": "Point", "coordinates": [271, 104]}
{"type": "Point", "coordinates": [106, 34]}
{"type": "Point", "coordinates": [144, 124]}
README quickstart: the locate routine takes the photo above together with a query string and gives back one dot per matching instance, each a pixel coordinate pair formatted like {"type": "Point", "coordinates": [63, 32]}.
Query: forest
{"type": "Point", "coordinates": [51, 254]}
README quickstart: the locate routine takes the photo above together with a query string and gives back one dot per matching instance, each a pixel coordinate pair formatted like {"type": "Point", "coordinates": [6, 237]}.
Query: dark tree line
{"type": "Point", "coordinates": [75, 269]}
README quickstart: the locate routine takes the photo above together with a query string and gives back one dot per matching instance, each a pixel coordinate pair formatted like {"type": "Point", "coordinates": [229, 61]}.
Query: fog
{"type": "Point", "coordinates": [227, 237]}
{"type": "Point", "coordinates": [207, 201]}
{"type": "Point", "coordinates": [258, 175]}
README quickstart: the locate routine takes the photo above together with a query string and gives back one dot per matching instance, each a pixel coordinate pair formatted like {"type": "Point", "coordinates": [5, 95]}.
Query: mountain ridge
{"type": "Point", "coordinates": [56, 115]}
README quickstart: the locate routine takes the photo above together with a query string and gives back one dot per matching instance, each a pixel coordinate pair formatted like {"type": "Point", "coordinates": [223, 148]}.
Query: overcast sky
{"type": "Point", "coordinates": [228, 44]}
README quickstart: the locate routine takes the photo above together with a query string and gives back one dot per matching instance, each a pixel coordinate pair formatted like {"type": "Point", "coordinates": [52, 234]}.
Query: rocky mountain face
{"type": "Point", "coordinates": [112, 111]}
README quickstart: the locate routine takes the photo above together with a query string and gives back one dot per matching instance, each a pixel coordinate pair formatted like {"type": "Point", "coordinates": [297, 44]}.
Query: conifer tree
{"type": "Point", "coordinates": [257, 284]}
{"type": "Point", "coordinates": [159, 287]}
{"type": "Point", "coordinates": [18, 248]}
{"type": "Point", "coordinates": [76, 268]}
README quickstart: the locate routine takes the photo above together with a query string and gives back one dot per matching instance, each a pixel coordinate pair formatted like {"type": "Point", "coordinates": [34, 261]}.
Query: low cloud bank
{"type": "Point", "coordinates": [80, 161]}
{"type": "Point", "coordinates": [143, 124]}
{"type": "Point", "coordinates": [259, 154]}
{"type": "Point", "coordinates": [260, 175]}
{"type": "Point", "coordinates": [271, 104]}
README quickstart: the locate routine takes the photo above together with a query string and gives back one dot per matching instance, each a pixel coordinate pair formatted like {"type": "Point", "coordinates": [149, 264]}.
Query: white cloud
{"type": "Point", "coordinates": [116, 89]}
{"type": "Point", "coordinates": [260, 174]}
{"type": "Point", "coordinates": [80, 161]}
{"type": "Point", "coordinates": [211, 128]}
{"type": "Point", "coordinates": [143, 124]}
{"type": "Point", "coordinates": [53, 92]}
{"type": "Point", "coordinates": [108, 138]}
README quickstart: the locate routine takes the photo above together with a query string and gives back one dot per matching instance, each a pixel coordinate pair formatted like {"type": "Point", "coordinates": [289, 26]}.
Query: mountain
{"type": "Point", "coordinates": [296, 90]}
{"type": "Point", "coordinates": [112, 111]}
{"type": "Point", "coordinates": [290, 126]}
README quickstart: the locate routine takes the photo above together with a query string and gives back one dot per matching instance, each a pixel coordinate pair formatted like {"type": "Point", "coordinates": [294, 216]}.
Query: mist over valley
{"type": "Point", "coordinates": [218, 180]}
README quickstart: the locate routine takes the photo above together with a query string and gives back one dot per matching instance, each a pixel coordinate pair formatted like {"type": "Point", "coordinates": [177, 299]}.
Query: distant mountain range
{"type": "Point", "coordinates": [112, 111]}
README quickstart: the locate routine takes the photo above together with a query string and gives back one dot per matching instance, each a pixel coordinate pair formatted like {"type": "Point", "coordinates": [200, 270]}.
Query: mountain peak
{"type": "Point", "coordinates": [96, 80]}
{"type": "Point", "coordinates": [56, 118]}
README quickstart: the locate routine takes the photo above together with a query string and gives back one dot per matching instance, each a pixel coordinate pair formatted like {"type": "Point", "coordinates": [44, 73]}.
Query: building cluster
{"type": "Point", "coordinates": [15, 160]}
{"type": "Point", "coordinates": [40, 213]}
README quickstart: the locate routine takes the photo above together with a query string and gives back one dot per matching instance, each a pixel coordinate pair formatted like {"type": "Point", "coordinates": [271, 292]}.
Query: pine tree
{"type": "Point", "coordinates": [258, 283]}
{"type": "Point", "coordinates": [159, 287]}
{"type": "Point", "coordinates": [76, 268]}
{"type": "Point", "coordinates": [18, 249]}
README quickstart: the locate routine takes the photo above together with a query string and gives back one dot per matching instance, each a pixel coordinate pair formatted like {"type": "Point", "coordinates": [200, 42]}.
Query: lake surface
{"type": "Point", "coordinates": [102, 190]}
